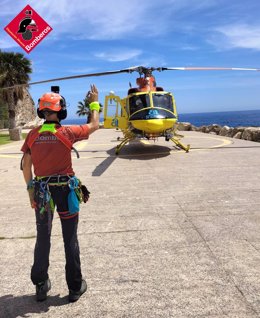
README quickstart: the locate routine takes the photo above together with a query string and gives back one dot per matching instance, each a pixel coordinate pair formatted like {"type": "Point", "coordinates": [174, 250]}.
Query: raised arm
{"type": "Point", "coordinates": [92, 97]}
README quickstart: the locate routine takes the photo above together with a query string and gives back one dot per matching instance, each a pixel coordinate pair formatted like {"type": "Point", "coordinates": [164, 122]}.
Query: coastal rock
{"type": "Point", "coordinates": [204, 129]}
{"type": "Point", "coordinates": [184, 126]}
{"type": "Point", "coordinates": [237, 130]}
{"type": "Point", "coordinates": [194, 128]}
{"type": "Point", "coordinates": [256, 134]}
{"type": "Point", "coordinates": [246, 133]}
{"type": "Point", "coordinates": [238, 135]}
{"type": "Point", "coordinates": [251, 133]}
{"type": "Point", "coordinates": [225, 131]}
{"type": "Point", "coordinates": [214, 128]}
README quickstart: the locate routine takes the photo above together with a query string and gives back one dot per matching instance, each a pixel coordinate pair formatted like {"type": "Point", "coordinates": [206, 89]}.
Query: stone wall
{"type": "Point", "coordinates": [25, 110]}
{"type": "Point", "coordinates": [246, 133]}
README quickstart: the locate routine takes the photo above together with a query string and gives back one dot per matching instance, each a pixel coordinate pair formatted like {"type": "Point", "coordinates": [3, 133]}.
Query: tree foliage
{"type": "Point", "coordinates": [3, 114]}
{"type": "Point", "coordinates": [83, 108]}
{"type": "Point", "coordinates": [14, 69]}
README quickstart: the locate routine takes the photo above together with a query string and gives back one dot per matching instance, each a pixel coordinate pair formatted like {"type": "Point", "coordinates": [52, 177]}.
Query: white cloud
{"type": "Point", "coordinates": [237, 36]}
{"type": "Point", "coordinates": [7, 43]}
{"type": "Point", "coordinates": [192, 5]}
{"type": "Point", "coordinates": [88, 19]}
{"type": "Point", "coordinates": [118, 56]}
{"type": "Point", "coordinates": [107, 19]}
{"type": "Point", "coordinates": [114, 20]}
{"type": "Point", "coordinates": [85, 70]}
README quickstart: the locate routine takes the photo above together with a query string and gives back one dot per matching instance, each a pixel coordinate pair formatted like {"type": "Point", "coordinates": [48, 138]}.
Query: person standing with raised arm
{"type": "Point", "coordinates": [47, 156]}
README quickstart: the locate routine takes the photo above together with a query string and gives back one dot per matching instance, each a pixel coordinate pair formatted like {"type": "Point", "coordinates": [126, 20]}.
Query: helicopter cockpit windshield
{"type": "Point", "coordinates": [151, 106]}
{"type": "Point", "coordinates": [163, 101]}
{"type": "Point", "coordinates": [139, 102]}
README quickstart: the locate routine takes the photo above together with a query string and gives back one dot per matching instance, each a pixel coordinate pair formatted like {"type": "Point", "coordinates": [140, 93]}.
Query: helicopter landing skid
{"type": "Point", "coordinates": [180, 145]}
{"type": "Point", "coordinates": [122, 144]}
{"type": "Point", "coordinates": [127, 137]}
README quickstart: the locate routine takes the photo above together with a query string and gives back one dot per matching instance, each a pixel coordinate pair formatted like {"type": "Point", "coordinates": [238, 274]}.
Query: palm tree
{"type": "Point", "coordinates": [83, 108]}
{"type": "Point", "coordinates": [14, 69]}
{"type": "Point", "coordinates": [3, 114]}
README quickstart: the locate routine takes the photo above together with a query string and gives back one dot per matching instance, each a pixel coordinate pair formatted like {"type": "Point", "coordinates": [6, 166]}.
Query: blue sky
{"type": "Point", "coordinates": [94, 36]}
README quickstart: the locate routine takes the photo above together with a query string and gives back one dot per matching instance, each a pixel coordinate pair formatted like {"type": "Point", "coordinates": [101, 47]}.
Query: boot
{"type": "Point", "coordinates": [42, 290]}
{"type": "Point", "coordinates": [75, 295]}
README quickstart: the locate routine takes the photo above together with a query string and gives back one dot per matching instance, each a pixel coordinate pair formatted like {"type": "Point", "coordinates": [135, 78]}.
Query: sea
{"type": "Point", "coordinates": [246, 118]}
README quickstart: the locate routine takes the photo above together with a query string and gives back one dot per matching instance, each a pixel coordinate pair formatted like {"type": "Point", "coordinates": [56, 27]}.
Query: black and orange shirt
{"type": "Point", "coordinates": [49, 154]}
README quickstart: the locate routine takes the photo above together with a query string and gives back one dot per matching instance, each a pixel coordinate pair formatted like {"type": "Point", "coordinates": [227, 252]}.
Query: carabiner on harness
{"type": "Point", "coordinates": [73, 201]}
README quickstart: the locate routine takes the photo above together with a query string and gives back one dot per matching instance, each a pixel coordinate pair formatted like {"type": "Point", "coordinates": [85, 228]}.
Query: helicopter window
{"type": "Point", "coordinates": [139, 102]}
{"type": "Point", "coordinates": [163, 101]}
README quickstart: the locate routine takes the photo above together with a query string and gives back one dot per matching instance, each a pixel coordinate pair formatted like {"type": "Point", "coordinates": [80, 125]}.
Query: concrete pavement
{"type": "Point", "coordinates": [165, 233]}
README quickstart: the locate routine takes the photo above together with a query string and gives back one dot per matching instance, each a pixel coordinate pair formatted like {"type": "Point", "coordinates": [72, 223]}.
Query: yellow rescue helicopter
{"type": "Point", "coordinates": [147, 111]}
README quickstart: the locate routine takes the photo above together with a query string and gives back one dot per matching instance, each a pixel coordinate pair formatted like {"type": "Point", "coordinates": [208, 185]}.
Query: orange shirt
{"type": "Point", "coordinates": [49, 155]}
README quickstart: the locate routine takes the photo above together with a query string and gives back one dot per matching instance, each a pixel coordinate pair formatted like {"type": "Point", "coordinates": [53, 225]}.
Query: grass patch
{"type": "Point", "coordinates": [5, 139]}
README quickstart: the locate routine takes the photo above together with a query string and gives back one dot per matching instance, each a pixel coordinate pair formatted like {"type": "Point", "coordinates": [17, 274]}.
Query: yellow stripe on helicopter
{"type": "Point", "coordinates": [153, 125]}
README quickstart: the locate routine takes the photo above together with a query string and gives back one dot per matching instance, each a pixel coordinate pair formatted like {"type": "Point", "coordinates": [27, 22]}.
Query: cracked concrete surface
{"type": "Point", "coordinates": [165, 233]}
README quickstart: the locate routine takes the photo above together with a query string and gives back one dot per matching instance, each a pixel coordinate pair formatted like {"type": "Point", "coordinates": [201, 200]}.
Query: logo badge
{"type": "Point", "coordinates": [28, 29]}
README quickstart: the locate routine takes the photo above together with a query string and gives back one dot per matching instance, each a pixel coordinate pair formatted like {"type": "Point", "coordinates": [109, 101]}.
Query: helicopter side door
{"type": "Point", "coordinates": [119, 118]}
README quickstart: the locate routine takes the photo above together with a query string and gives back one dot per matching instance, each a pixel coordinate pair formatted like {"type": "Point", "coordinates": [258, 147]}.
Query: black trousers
{"type": "Point", "coordinates": [39, 271]}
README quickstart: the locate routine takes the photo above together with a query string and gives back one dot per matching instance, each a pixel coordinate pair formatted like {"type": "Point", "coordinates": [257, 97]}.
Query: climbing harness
{"type": "Point", "coordinates": [78, 192]}
{"type": "Point", "coordinates": [45, 200]}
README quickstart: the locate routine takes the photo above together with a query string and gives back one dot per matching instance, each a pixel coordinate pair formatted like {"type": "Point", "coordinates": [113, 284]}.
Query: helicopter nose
{"type": "Point", "coordinates": [154, 125]}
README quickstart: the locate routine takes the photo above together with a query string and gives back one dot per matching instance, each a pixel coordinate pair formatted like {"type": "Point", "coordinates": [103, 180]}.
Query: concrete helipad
{"type": "Point", "coordinates": [165, 234]}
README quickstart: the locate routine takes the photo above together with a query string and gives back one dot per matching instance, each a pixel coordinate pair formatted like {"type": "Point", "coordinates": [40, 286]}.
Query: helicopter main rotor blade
{"type": "Point", "coordinates": [127, 70]}
{"type": "Point", "coordinates": [210, 68]}
{"type": "Point", "coordinates": [139, 69]}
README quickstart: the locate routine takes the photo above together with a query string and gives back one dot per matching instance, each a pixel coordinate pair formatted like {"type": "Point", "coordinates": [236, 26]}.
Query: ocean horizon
{"type": "Point", "coordinates": [247, 118]}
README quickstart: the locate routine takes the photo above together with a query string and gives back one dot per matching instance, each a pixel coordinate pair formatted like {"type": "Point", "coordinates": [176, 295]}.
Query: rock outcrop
{"type": "Point", "coordinates": [33, 123]}
{"type": "Point", "coordinates": [246, 133]}
{"type": "Point", "coordinates": [25, 110]}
